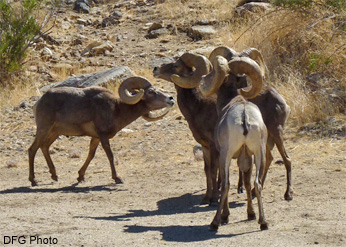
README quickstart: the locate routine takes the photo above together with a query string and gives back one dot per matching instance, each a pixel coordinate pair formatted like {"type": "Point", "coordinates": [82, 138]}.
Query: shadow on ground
{"type": "Point", "coordinates": [183, 233]}
{"type": "Point", "coordinates": [68, 189]}
{"type": "Point", "coordinates": [187, 203]}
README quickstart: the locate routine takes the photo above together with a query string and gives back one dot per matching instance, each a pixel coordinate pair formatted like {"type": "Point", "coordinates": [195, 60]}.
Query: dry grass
{"type": "Point", "coordinates": [294, 44]}
{"type": "Point", "coordinates": [16, 94]}
{"type": "Point", "coordinates": [192, 11]}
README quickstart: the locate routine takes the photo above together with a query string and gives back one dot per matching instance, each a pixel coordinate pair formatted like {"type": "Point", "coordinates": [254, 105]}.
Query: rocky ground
{"type": "Point", "coordinates": [159, 203]}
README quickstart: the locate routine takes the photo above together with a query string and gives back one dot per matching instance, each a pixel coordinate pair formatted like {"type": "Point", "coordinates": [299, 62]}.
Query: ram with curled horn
{"type": "Point", "coordinates": [93, 112]}
{"type": "Point", "coordinates": [239, 133]}
{"type": "Point", "coordinates": [272, 105]}
{"type": "Point", "coordinates": [200, 112]}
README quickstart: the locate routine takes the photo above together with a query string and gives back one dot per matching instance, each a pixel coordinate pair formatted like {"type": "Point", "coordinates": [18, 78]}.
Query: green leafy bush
{"type": "Point", "coordinates": [339, 4]}
{"type": "Point", "coordinates": [18, 29]}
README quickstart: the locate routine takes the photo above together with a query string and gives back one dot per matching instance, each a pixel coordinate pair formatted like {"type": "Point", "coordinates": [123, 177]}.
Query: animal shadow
{"type": "Point", "coordinates": [68, 189]}
{"type": "Point", "coordinates": [187, 203]}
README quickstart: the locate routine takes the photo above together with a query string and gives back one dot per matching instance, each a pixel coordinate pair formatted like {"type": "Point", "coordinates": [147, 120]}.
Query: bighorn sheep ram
{"type": "Point", "coordinates": [273, 107]}
{"type": "Point", "coordinates": [199, 112]}
{"type": "Point", "coordinates": [201, 115]}
{"type": "Point", "coordinates": [240, 132]}
{"type": "Point", "coordinates": [93, 112]}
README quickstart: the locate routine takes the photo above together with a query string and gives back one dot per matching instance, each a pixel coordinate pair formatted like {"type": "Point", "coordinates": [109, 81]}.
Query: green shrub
{"type": "Point", "coordinates": [18, 29]}
{"type": "Point", "coordinates": [339, 4]}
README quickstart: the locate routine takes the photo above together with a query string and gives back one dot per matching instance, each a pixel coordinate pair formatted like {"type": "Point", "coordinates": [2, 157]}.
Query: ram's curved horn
{"type": "Point", "coordinates": [245, 65]}
{"type": "Point", "coordinates": [201, 65]}
{"type": "Point", "coordinates": [223, 51]}
{"type": "Point", "coordinates": [130, 84]}
{"type": "Point", "coordinates": [212, 82]}
{"type": "Point", "coordinates": [150, 117]}
{"type": "Point", "coordinates": [256, 55]}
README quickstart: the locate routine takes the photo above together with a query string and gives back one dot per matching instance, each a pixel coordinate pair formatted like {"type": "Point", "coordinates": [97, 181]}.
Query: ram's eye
{"type": "Point", "coordinates": [151, 92]}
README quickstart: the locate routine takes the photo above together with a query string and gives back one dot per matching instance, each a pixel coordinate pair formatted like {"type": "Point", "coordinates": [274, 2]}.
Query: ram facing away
{"type": "Point", "coordinates": [240, 132]}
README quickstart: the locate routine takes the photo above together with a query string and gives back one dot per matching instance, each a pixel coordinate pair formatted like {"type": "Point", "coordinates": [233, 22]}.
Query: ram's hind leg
{"type": "Point", "coordinates": [45, 150]}
{"type": "Point", "coordinates": [240, 183]}
{"type": "Point", "coordinates": [278, 139]}
{"type": "Point", "coordinates": [222, 213]}
{"type": "Point", "coordinates": [107, 148]}
{"type": "Point", "coordinates": [32, 152]}
{"type": "Point", "coordinates": [214, 155]}
{"type": "Point", "coordinates": [94, 142]}
{"type": "Point", "coordinates": [247, 181]}
{"type": "Point", "coordinates": [208, 174]}
{"type": "Point", "coordinates": [260, 161]}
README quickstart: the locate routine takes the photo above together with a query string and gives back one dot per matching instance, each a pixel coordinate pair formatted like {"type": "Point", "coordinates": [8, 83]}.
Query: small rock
{"type": "Point", "coordinates": [65, 25]}
{"type": "Point", "coordinates": [101, 49]}
{"type": "Point", "coordinates": [82, 21]}
{"type": "Point", "coordinates": [82, 6]}
{"type": "Point", "coordinates": [156, 33]}
{"type": "Point", "coordinates": [75, 154]}
{"type": "Point", "coordinates": [90, 46]}
{"type": "Point", "coordinates": [201, 32]}
{"type": "Point", "coordinates": [157, 61]}
{"type": "Point", "coordinates": [33, 68]}
{"type": "Point", "coordinates": [46, 52]}
{"type": "Point", "coordinates": [155, 26]}
{"type": "Point", "coordinates": [315, 78]}
{"type": "Point", "coordinates": [253, 8]}
{"type": "Point", "coordinates": [331, 120]}
{"type": "Point", "coordinates": [125, 132]}
{"type": "Point", "coordinates": [24, 104]}
{"type": "Point", "coordinates": [11, 164]}
{"type": "Point", "coordinates": [197, 151]}
{"type": "Point", "coordinates": [113, 19]}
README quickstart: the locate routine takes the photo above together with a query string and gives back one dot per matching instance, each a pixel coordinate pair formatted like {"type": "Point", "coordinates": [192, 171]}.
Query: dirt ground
{"type": "Point", "coordinates": [159, 203]}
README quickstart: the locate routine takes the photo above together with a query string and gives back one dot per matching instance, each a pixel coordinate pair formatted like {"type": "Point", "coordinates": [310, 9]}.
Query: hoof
{"type": "Point", "coordinates": [224, 221]}
{"type": "Point", "coordinates": [213, 227]}
{"type": "Point", "coordinates": [205, 201]}
{"type": "Point", "coordinates": [118, 180]}
{"type": "Point", "coordinates": [54, 177]}
{"type": "Point", "coordinates": [33, 183]}
{"type": "Point", "coordinates": [214, 202]}
{"type": "Point", "coordinates": [240, 190]}
{"type": "Point", "coordinates": [80, 179]}
{"type": "Point", "coordinates": [289, 196]}
{"type": "Point", "coordinates": [251, 216]}
{"type": "Point", "coordinates": [264, 226]}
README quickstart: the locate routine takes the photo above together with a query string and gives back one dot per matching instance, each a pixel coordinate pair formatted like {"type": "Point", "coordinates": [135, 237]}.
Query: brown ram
{"type": "Point", "coordinates": [273, 107]}
{"type": "Point", "coordinates": [199, 112]}
{"type": "Point", "coordinates": [93, 112]}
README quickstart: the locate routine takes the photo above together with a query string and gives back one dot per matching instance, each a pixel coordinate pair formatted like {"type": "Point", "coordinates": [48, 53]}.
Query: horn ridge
{"type": "Point", "coordinates": [135, 82]}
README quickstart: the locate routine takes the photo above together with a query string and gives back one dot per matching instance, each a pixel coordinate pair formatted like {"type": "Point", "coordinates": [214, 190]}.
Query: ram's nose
{"type": "Point", "coordinates": [171, 101]}
{"type": "Point", "coordinates": [155, 71]}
